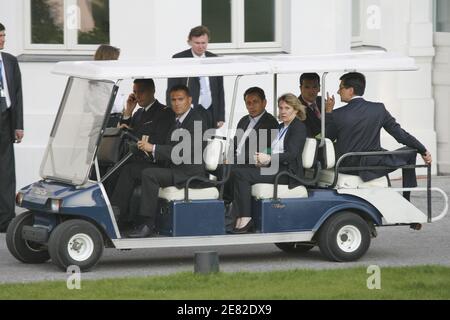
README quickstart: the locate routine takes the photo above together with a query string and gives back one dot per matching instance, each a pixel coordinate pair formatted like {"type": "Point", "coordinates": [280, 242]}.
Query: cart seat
{"type": "Point", "coordinates": [175, 194]}
{"type": "Point", "coordinates": [213, 154]}
{"type": "Point", "coordinates": [265, 190]}
{"type": "Point", "coordinates": [326, 177]}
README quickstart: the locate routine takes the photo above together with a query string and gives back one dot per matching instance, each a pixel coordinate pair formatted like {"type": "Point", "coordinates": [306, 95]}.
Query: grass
{"type": "Point", "coordinates": [424, 283]}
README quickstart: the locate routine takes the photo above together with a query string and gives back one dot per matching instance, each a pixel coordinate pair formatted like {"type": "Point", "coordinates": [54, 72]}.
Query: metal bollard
{"type": "Point", "coordinates": [206, 262]}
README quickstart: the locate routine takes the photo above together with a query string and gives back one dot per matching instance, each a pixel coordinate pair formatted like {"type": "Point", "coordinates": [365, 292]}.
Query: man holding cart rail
{"type": "Point", "coordinates": [356, 128]}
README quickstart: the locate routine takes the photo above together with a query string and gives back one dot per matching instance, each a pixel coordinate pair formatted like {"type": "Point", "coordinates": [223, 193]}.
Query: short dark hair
{"type": "Point", "coordinates": [2, 27]}
{"type": "Point", "coordinates": [354, 80]}
{"type": "Point", "coordinates": [147, 83]}
{"type": "Point", "coordinates": [199, 31]}
{"type": "Point", "coordinates": [180, 87]}
{"type": "Point", "coordinates": [256, 91]}
{"type": "Point", "coordinates": [309, 76]}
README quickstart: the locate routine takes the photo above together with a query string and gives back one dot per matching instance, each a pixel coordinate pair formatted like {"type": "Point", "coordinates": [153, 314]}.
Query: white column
{"type": "Point", "coordinates": [152, 28]}
{"type": "Point", "coordinates": [320, 26]}
{"type": "Point", "coordinates": [441, 82]}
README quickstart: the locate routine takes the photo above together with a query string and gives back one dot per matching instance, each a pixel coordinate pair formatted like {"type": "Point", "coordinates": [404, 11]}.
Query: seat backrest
{"type": "Point", "coordinates": [213, 154]}
{"type": "Point", "coordinates": [309, 153]}
{"type": "Point", "coordinates": [327, 155]}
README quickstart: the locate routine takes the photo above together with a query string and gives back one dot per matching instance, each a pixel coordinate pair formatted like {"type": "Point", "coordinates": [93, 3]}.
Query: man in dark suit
{"type": "Point", "coordinates": [152, 119]}
{"type": "Point", "coordinates": [179, 161]}
{"type": "Point", "coordinates": [309, 91]}
{"type": "Point", "coordinates": [253, 127]}
{"type": "Point", "coordinates": [207, 92]}
{"type": "Point", "coordinates": [11, 130]}
{"type": "Point", "coordinates": [356, 128]}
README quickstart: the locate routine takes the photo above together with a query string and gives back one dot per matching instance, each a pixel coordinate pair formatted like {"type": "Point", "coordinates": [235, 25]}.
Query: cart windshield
{"type": "Point", "coordinates": [76, 131]}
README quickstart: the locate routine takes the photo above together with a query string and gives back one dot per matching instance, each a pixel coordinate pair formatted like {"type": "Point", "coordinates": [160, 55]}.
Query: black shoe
{"type": "Point", "coordinates": [4, 227]}
{"type": "Point", "coordinates": [247, 228]}
{"type": "Point", "coordinates": [142, 231]}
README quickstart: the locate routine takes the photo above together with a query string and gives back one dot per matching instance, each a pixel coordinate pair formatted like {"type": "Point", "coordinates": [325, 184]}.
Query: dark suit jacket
{"type": "Point", "coordinates": [14, 81]}
{"type": "Point", "coordinates": [313, 124]}
{"type": "Point", "coordinates": [266, 123]}
{"type": "Point", "coordinates": [155, 123]}
{"type": "Point", "coordinates": [163, 153]}
{"type": "Point", "coordinates": [356, 128]}
{"type": "Point", "coordinates": [216, 84]}
{"type": "Point", "coordinates": [292, 157]}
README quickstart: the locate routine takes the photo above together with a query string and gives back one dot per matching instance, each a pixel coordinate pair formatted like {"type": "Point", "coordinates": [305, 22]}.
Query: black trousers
{"type": "Point", "coordinates": [243, 179]}
{"type": "Point", "coordinates": [152, 180]}
{"type": "Point", "coordinates": [409, 175]}
{"type": "Point", "coordinates": [7, 171]}
{"type": "Point", "coordinates": [129, 178]}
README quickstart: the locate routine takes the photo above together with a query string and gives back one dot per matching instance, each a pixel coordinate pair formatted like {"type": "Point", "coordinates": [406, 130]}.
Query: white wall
{"type": "Point", "coordinates": [441, 82]}
{"type": "Point", "coordinates": [158, 29]}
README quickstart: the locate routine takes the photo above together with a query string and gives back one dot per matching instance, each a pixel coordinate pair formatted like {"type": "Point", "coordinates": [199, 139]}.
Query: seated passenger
{"type": "Point", "coordinates": [258, 120]}
{"type": "Point", "coordinates": [153, 119]}
{"type": "Point", "coordinates": [173, 172]}
{"type": "Point", "coordinates": [309, 97]}
{"type": "Point", "coordinates": [356, 128]}
{"type": "Point", "coordinates": [286, 152]}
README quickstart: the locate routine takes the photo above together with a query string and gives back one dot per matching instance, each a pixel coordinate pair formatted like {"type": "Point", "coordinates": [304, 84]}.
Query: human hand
{"type": "Point", "coordinates": [220, 124]}
{"type": "Point", "coordinates": [262, 159]}
{"type": "Point", "coordinates": [145, 146]}
{"type": "Point", "coordinates": [329, 103]}
{"type": "Point", "coordinates": [131, 104]}
{"type": "Point", "coordinates": [427, 158]}
{"type": "Point", "coordinates": [124, 126]}
{"type": "Point", "coordinates": [19, 136]}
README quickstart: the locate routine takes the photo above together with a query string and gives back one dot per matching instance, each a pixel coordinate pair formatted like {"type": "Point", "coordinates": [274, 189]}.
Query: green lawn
{"type": "Point", "coordinates": [425, 282]}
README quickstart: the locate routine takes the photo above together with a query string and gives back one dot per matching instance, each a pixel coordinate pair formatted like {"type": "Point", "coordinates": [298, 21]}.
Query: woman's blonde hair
{"type": "Point", "coordinates": [291, 100]}
{"type": "Point", "coordinates": [107, 52]}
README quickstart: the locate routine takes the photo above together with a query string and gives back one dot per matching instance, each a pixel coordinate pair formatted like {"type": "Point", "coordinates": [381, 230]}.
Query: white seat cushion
{"type": "Point", "coordinates": [175, 194]}
{"type": "Point", "coordinates": [309, 153]}
{"type": "Point", "coordinates": [265, 191]}
{"type": "Point", "coordinates": [348, 181]}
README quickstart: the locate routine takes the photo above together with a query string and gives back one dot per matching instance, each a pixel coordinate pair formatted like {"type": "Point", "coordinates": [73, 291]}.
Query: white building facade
{"type": "Point", "coordinates": [158, 29]}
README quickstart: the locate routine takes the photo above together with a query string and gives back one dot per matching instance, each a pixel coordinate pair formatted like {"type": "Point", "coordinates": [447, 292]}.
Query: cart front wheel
{"type": "Point", "coordinates": [344, 237]}
{"type": "Point", "coordinates": [76, 243]}
{"type": "Point", "coordinates": [24, 250]}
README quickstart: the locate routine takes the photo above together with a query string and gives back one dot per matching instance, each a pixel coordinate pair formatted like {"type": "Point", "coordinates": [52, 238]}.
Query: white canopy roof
{"type": "Point", "coordinates": [235, 65]}
{"type": "Point", "coordinates": [358, 61]}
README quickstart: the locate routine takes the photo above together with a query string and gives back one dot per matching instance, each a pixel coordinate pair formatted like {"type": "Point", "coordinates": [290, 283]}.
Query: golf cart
{"type": "Point", "coordinates": [70, 219]}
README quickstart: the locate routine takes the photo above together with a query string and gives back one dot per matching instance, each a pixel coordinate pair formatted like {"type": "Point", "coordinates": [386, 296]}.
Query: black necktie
{"type": "Point", "coordinates": [178, 124]}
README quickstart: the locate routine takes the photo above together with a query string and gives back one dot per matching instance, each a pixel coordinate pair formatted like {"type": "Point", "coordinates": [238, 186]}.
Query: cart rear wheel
{"type": "Point", "coordinates": [344, 237]}
{"type": "Point", "coordinates": [76, 242]}
{"type": "Point", "coordinates": [24, 250]}
{"type": "Point", "coordinates": [294, 247]}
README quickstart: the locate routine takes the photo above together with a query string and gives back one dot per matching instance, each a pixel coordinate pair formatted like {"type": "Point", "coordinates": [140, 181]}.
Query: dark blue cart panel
{"type": "Point", "coordinates": [306, 214]}
{"type": "Point", "coordinates": [195, 218]}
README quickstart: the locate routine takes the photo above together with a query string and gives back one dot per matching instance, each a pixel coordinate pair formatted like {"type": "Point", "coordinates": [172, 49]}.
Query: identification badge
{"type": "Point", "coordinates": [2, 93]}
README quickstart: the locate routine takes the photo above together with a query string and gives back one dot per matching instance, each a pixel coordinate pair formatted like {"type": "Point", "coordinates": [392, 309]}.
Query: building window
{"type": "Point", "coordinates": [356, 23]}
{"type": "Point", "coordinates": [236, 24]}
{"type": "Point", "coordinates": [66, 24]}
{"type": "Point", "coordinates": [442, 16]}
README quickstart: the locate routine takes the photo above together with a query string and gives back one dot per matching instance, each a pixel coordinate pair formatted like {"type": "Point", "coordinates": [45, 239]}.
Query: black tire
{"type": "Point", "coordinates": [23, 250]}
{"type": "Point", "coordinates": [354, 239]}
{"type": "Point", "coordinates": [294, 247]}
{"type": "Point", "coordinates": [88, 238]}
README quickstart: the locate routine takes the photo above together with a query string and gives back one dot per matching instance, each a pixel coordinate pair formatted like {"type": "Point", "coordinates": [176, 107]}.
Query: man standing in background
{"type": "Point", "coordinates": [207, 92]}
{"type": "Point", "coordinates": [11, 130]}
